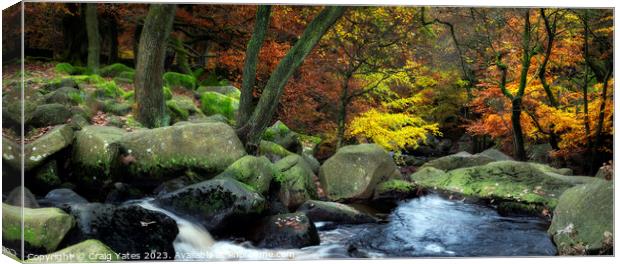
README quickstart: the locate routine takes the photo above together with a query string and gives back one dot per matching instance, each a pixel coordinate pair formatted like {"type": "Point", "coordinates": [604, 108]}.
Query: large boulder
{"type": "Point", "coordinates": [151, 156]}
{"type": "Point", "coordinates": [296, 181]}
{"type": "Point", "coordinates": [220, 205]}
{"type": "Point", "coordinates": [91, 250]}
{"type": "Point", "coordinates": [44, 228]}
{"type": "Point", "coordinates": [583, 221]}
{"type": "Point", "coordinates": [354, 172]}
{"type": "Point", "coordinates": [520, 184]}
{"type": "Point", "coordinates": [459, 160]}
{"type": "Point", "coordinates": [53, 141]}
{"type": "Point", "coordinates": [93, 155]}
{"type": "Point", "coordinates": [321, 211]}
{"type": "Point", "coordinates": [293, 230]}
{"type": "Point", "coordinates": [128, 229]}
{"type": "Point", "coordinates": [256, 172]}
{"type": "Point", "coordinates": [49, 115]}
{"type": "Point", "coordinates": [280, 134]}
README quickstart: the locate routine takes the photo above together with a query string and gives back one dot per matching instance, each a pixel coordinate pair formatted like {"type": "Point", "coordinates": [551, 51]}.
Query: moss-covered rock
{"type": "Point", "coordinates": [46, 177]}
{"type": "Point", "coordinates": [181, 107]}
{"type": "Point", "coordinates": [254, 171]}
{"type": "Point", "coordinates": [269, 148]}
{"type": "Point", "coordinates": [44, 228]}
{"type": "Point", "coordinates": [55, 140]}
{"type": "Point", "coordinates": [294, 230]}
{"type": "Point", "coordinates": [49, 115]}
{"type": "Point", "coordinates": [296, 181]}
{"type": "Point", "coordinates": [117, 107]}
{"type": "Point", "coordinates": [394, 190]}
{"type": "Point", "coordinates": [496, 154]}
{"type": "Point", "coordinates": [65, 68]}
{"type": "Point", "coordinates": [215, 103]}
{"type": "Point", "coordinates": [179, 80]}
{"type": "Point", "coordinates": [220, 205]}
{"type": "Point", "coordinates": [511, 181]}
{"type": "Point", "coordinates": [65, 96]}
{"type": "Point", "coordinates": [354, 172]}
{"type": "Point", "coordinates": [583, 220]}
{"type": "Point", "coordinates": [321, 211]}
{"type": "Point", "coordinates": [92, 155]}
{"type": "Point", "coordinates": [114, 70]}
{"type": "Point", "coordinates": [283, 136]}
{"type": "Point", "coordinates": [91, 250]}
{"type": "Point", "coordinates": [458, 160]}
{"type": "Point", "coordinates": [151, 156]}
{"type": "Point", "coordinates": [227, 90]}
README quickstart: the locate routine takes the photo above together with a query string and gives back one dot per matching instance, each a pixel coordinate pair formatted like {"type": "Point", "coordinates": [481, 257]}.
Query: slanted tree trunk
{"type": "Point", "coordinates": [251, 59]}
{"type": "Point", "coordinates": [251, 131]}
{"type": "Point", "coordinates": [150, 65]}
{"type": "Point", "coordinates": [584, 87]}
{"type": "Point", "coordinates": [94, 39]}
{"type": "Point", "coordinates": [551, 30]}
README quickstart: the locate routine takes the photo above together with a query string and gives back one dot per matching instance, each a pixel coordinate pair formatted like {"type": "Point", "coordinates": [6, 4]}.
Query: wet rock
{"type": "Point", "coordinates": [320, 211]}
{"type": "Point", "coordinates": [583, 220]}
{"type": "Point", "coordinates": [354, 172]}
{"type": "Point", "coordinates": [62, 197]}
{"type": "Point", "coordinates": [121, 193]}
{"type": "Point", "coordinates": [392, 191]}
{"type": "Point", "coordinates": [293, 230]}
{"type": "Point", "coordinates": [17, 194]}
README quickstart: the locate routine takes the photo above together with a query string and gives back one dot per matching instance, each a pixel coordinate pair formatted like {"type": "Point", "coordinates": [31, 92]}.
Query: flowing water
{"type": "Point", "coordinates": [421, 227]}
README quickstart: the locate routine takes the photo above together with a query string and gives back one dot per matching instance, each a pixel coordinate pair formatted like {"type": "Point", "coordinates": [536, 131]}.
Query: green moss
{"type": "Point", "coordinates": [268, 147]}
{"type": "Point", "coordinates": [256, 172]}
{"type": "Point", "coordinates": [175, 79]}
{"type": "Point", "coordinates": [114, 70]}
{"type": "Point", "coordinates": [77, 97]}
{"type": "Point", "coordinates": [215, 103]}
{"type": "Point", "coordinates": [167, 93]}
{"type": "Point", "coordinates": [65, 68]}
{"type": "Point", "coordinates": [396, 185]}
{"type": "Point", "coordinates": [131, 122]}
{"type": "Point", "coordinates": [117, 107]}
{"type": "Point", "coordinates": [109, 89]}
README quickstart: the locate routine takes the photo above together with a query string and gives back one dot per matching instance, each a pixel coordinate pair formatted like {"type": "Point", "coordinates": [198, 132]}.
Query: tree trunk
{"type": "Point", "coordinates": [150, 65]}
{"type": "Point", "coordinates": [519, 143]}
{"type": "Point", "coordinates": [249, 68]}
{"type": "Point", "coordinates": [251, 132]}
{"type": "Point", "coordinates": [94, 39]}
{"type": "Point", "coordinates": [342, 111]}
{"type": "Point", "coordinates": [584, 87]}
{"type": "Point", "coordinates": [601, 121]}
{"type": "Point", "coordinates": [113, 40]}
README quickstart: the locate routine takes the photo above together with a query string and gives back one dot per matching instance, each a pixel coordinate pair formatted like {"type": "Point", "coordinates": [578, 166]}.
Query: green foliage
{"type": "Point", "coordinates": [65, 68]}
{"type": "Point", "coordinates": [215, 103]}
{"type": "Point", "coordinates": [109, 89]}
{"type": "Point", "coordinates": [175, 79]}
{"type": "Point", "coordinates": [114, 70]}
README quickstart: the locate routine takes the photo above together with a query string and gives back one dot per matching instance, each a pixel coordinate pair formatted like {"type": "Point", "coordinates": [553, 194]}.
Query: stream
{"type": "Point", "coordinates": [428, 226]}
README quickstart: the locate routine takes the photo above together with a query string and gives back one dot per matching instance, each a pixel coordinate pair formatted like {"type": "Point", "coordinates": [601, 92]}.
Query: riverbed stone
{"type": "Point", "coordinates": [296, 181]}
{"type": "Point", "coordinates": [323, 211]}
{"type": "Point", "coordinates": [294, 230]}
{"type": "Point", "coordinates": [583, 219]}
{"type": "Point", "coordinates": [151, 156]}
{"type": "Point", "coordinates": [256, 172]}
{"type": "Point", "coordinates": [93, 154]}
{"type": "Point", "coordinates": [459, 160]}
{"type": "Point", "coordinates": [44, 228]}
{"type": "Point", "coordinates": [125, 229]}
{"type": "Point", "coordinates": [53, 141]}
{"type": "Point", "coordinates": [512, 181]}
{"type": "Point", "coordinates": [354, 172]}
{"type": "Point", "coordinates": [220, 205]}
{"type": "Point", "coordinates": [90, 250]}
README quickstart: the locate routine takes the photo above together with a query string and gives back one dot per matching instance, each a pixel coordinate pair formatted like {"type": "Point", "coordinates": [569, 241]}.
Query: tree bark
{"type": "Point", "coordinates": [150, 65]}
{"type": "Point", "coordinates": [249, 68]}
{"type": "Point", "coordinates": [251, 132]}
{"type": "Point", "coordinates": [584, 87]}
{"type": "Point", "coordinates": [94, 39]}
{"type": "Point", "coordinates": [342, 112]}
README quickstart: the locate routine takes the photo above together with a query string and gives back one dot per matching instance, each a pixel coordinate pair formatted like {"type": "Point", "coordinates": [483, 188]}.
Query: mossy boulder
{"type": "Point", "coordinates": [227, 90]}
{"type": "Point", "coordinates": [66, 68]}
{"type": "Point", "coordinates": [53, 141]}
{"type": "Point", "coordinates": [64, 95]}
{"type": "Point", "coordinates": [179, 80]}
{"type": "Point", "coordinates": [181, 107]}
{"type": "Point", "coordinates": [49, 115]}
{"type": "Point", "coordinates": [273, 150]}
{"type": "Point", "coordinates": [394, 190]}
{"type": "Point", "coordinates": [354, 172]}
{"type": "Point", "coordinates": [44, 228]}
{"type": "Point", "coordinates": [220, 205]}
{"type": "Point", "coordinates": [150, 156]}
{"type": "Point", "coordinates": [256, 172]}
{"type": "Point", "coordinates": [459, 160]}
{"type": "Point", "coordinates": [294, 230]}
{"type": "Point", "coordinates": [583, 221]}
{"type": "Point", "coordinates": [117, 107]}
{"type": "Point", "coordinates": [296, 181]}
{"type": "Point", "coordinates": [114, 70]}
{"type": "Point", "coordinates": [322, 211]}
{"type": "Point", "coordinates": [283, 136]}
{"type": "Point", "coordinates": [496, 154]}
{"type": "Point", "coordinates": [90, 250]}
{"type": "Point", "coordinates": [509, 181]}
{"type": "Point", "coordinates": [215, 103]}
{"type": "Point", "coordinates": [92, 155]}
